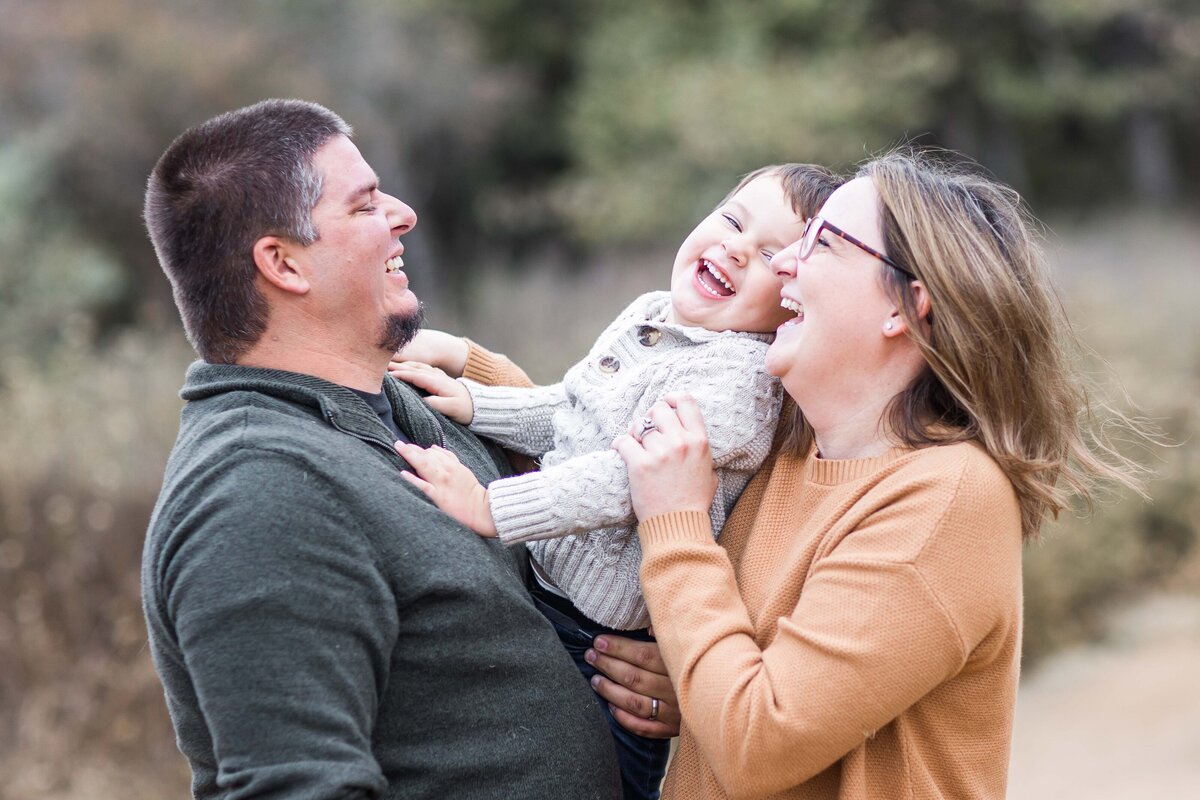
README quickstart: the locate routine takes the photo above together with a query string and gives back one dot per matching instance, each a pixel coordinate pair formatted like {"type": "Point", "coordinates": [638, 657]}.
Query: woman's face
{"type": "Point", "coordinates": [837, 338]}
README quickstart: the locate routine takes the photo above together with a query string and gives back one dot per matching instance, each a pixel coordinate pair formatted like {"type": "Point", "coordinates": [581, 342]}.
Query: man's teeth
{"type": "Point", "coordinates": [792, 306]}
{"type": "Point", "coordinates": [721, 278]}
{"type": "Point", "coordinates": [394, 264]}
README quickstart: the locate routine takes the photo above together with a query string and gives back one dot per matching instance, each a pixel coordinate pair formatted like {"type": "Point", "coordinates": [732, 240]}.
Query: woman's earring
{"type": "Point", "coordinates": [887, 326]}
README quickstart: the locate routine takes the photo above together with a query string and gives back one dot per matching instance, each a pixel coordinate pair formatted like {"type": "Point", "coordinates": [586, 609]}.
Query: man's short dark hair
{"type": "Point", "coordinates": [218, 189]}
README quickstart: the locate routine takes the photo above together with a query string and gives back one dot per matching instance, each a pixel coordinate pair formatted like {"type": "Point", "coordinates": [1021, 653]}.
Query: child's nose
{"type": "Point", "coordinates": [735, 247]}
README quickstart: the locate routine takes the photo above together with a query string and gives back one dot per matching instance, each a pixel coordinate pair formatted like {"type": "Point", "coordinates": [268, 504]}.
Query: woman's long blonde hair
{"type": "Point", "coordinates": [1000, 351]}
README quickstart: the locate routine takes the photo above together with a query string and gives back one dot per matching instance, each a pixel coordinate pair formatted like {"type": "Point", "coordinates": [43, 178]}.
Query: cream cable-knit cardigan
{"type": "Point", "coordinates": [575, 514]}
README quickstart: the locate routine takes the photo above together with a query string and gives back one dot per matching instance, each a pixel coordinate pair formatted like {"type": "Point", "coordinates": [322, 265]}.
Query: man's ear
{"type": "Point", "coordinates": [276, 265]}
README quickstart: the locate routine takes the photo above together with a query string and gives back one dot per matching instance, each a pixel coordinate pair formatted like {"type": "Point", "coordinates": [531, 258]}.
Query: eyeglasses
{"type": "Point", "coordinates": [812, 233]}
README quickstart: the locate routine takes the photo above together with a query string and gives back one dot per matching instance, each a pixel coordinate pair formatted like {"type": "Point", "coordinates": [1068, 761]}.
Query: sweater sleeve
{"type": "Point", "coordinates": [287, 628]}
{"type": "Point", "coordinates": [492, 369]}
{"type": "Point", "coordinates": [584, 493]}
{"type": "Point", "coordinates": [875, 629]}
{"type": "Point", "coordinates": [521, 419]}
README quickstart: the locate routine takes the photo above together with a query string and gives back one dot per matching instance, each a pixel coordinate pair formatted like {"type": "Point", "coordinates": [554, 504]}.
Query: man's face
{"type": "Point", "coordinates": [355, 266]}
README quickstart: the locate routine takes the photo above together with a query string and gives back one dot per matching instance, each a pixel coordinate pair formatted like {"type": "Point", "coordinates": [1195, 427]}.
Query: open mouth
{"type": "Point", "coordinates": [393, 265]}
{"type": "Point", "coordinates": [788, 304]}
{"type": "Point", "coordinates": [713, 281]}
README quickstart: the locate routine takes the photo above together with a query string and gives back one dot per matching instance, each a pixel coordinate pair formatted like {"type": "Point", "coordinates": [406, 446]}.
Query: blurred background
{"type": "Point", "coordinates": [557, 153]}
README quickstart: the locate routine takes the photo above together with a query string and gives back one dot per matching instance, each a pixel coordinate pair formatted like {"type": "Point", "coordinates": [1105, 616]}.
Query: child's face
{"type": "Point", "coordinates": [737, 242]}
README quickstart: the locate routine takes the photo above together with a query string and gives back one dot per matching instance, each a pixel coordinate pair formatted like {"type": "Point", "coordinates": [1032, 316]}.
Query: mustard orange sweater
{"type": "Point", "coordinates": [854, 633]}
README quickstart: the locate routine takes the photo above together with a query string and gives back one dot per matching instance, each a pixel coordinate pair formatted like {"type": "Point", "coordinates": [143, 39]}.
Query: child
{"type": "Point", "coordinates": [706, 337]}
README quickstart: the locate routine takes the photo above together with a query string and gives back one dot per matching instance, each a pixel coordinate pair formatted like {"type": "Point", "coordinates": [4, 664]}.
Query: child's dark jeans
{"type": "Point", "coordinates": [643, 761]}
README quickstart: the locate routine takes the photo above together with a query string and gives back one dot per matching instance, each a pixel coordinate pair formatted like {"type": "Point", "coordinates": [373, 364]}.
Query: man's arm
{"type": "Point", "coordinates": [285, 629]}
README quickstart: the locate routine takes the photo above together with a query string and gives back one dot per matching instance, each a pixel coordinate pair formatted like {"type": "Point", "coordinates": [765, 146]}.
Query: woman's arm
{"type": "Point", "coordinates": [492, 369]}
{"type": "Point", "coordinates": [872, 632]}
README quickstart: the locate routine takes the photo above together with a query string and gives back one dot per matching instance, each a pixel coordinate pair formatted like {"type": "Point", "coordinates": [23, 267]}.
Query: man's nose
{"type": "Point", "coordinates": [401, 216]}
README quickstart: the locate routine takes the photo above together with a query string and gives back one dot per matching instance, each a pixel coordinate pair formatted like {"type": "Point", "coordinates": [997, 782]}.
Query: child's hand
{"type": "Point", "coordinates": [445, 394]}
{"type": "Point", "coordinates": [437, 349]}
{"type": "Point", "coordinates": [450, 485]}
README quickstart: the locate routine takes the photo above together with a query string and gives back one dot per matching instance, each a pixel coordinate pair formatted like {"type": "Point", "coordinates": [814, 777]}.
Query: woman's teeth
{"type": "Point", "coordinates": [394, 265]}
{"type": "Point", "coordinates": [791, 305]}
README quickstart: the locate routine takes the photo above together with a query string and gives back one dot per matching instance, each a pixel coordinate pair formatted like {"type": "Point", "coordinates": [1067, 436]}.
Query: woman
{"type": "Point", "coordinates": [856, 631]}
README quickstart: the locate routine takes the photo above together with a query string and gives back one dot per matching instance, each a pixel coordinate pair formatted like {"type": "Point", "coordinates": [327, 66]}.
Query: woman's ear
{"type": "Point", "coordinates": [921, 300]}
{"type": "Point", "coordinates": [895, 325]}
{"type": "Point", "coordinates": [277, 266]}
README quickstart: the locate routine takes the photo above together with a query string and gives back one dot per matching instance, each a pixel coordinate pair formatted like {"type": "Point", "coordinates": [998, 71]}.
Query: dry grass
{"type": "Point", "coordinates": [87, 431]}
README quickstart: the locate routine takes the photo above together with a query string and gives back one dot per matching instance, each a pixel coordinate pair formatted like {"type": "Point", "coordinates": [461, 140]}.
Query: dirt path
{"type": "Point", "coordinates": [1119, 719]}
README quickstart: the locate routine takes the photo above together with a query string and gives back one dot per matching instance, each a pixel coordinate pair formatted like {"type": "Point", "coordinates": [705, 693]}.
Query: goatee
{"type": "Point", "coordinates": [399, 329]}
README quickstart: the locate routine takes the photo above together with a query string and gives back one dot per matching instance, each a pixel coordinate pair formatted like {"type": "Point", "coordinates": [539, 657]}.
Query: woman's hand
{"type": "Point", "coordinates": [670, 467]}
{"type": "Point", "coordinates": [437, 349]}
{"type": "Point", "coordinates": [636, 677]}
{"type": "Point", "coordinates": [450, 485]}
{"type": "Point", "coordinates": [445, 394]}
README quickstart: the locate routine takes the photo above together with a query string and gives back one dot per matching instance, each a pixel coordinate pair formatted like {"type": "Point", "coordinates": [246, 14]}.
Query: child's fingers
{"type": "Point", "coordinates": [444, 405]}
{"type": "Point", "coordinates": [414, 454]}
{"type": "Point", "coordinates": [424, 486]}
{"type": "Point", "coordinates": [424, 377]}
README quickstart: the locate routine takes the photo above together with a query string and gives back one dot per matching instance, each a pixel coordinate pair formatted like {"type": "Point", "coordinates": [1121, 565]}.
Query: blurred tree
{"type": "Point", "coordinates": [528, 131]}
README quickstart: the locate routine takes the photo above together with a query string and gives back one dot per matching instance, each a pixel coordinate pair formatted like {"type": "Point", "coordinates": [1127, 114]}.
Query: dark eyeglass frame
{"type": "Point", "coordinates": [812, 232]}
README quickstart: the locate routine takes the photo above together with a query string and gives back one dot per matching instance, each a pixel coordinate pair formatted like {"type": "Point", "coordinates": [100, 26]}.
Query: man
{"type": "Point", "coordinates": [320, 628]}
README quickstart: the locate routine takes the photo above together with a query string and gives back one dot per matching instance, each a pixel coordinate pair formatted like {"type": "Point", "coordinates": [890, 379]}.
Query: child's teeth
{"type": "Point", "coordinates": [713, 271]}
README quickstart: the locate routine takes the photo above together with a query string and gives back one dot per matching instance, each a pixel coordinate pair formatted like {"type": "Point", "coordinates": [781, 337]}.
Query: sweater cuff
{"type": "Point", "coordinates": [492, 369]}
{"type": "Point", "coordinates": [522, 508]}
{"type": "Point", "coordinates": [676, 526]}
{"type": "Point", "coordinates": [496, 409]}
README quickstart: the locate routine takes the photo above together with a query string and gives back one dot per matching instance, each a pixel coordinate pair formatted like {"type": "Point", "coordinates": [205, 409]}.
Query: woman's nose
{"type": "Point", "coordinates": [786, 260]}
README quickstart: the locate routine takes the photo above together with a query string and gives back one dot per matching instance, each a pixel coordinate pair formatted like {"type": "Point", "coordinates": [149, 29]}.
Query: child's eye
{"type": "Point", "coordinates": [733, 222]}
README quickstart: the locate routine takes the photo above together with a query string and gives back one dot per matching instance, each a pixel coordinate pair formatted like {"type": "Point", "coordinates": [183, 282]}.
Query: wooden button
{"type": "Point", "coordinates": [648, 336]}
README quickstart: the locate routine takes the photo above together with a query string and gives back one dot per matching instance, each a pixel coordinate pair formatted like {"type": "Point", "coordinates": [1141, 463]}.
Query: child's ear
{"type": "Point", "coordinates": [273, 259]}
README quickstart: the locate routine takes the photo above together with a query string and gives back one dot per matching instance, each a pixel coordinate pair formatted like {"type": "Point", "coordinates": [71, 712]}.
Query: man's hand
{"type": "Point", "coordinates": [437, 349]}
{"type": "Point", "coordinates": [636, 677]}
{"type": "Point", "coordinates": [445, 394]}
{"type": "Point", "coordinates": [450, 485]}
